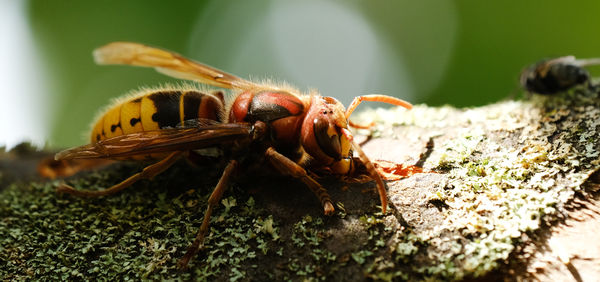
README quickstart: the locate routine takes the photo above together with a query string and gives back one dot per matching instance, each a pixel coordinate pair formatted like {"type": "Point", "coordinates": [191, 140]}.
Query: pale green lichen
{"type": "Point", "coordinates": [500, 171]}
{"type": "Point", "coordinates": [509, 166]}
{"type": "Point", "coordinates": [136, 235]}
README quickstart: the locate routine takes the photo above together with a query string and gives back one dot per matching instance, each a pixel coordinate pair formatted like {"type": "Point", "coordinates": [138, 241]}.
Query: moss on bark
{"type": "Point", "coordinates": [495, 174]}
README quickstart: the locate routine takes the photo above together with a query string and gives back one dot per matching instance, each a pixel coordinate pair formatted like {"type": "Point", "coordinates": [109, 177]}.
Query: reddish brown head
{"type": "Point", "coordinates": [322, 136]}
{"type": "Point", "coordinates": [325, 136]}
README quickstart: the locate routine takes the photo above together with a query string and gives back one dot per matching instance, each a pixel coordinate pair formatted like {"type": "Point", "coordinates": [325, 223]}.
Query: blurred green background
{"type": "Point", "coordinates": [464, 53]}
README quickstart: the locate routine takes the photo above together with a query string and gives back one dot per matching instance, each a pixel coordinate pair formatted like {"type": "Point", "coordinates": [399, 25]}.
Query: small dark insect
{"type": "Point", "coordinates": [552, 76]}
{"type": "Point", "coordinates": [261, 125]}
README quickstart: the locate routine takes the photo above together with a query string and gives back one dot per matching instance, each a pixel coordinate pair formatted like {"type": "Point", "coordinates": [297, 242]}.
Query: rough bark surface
{"type": "Point", "coordinates": [506, 193]}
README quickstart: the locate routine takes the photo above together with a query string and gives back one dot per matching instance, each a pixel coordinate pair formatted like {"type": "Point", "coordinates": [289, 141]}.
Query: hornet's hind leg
{"type": "Point", "coordinates": [213, 201]}
{"type": "Point", "coordinates": [148, 172]}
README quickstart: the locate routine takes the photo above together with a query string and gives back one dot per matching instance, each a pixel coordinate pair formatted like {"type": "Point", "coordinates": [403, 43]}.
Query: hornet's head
{"type": "Point", "coordinates": [324, 134]}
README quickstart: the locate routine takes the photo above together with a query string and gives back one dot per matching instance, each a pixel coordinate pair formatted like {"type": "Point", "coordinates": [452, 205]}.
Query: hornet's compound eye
{"type": "Point", "coordinates": [327, 138]}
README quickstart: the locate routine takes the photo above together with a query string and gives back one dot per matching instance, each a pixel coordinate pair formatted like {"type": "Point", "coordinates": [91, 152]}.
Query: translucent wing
{"type": "Point", "coordinates": [588, 62]}
{"type": "Point", "coordinates": [570, 60]}
{"type": "Point", "coordinates": [166, 62]}
{"type": "Point", "coordinates": [544, 67]}
{"type": "Point", "coordinates": [159, 141]}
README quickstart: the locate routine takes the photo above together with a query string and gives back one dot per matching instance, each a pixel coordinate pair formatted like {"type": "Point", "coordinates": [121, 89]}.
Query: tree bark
{"type": "Point", "coordinates": [506, 190]}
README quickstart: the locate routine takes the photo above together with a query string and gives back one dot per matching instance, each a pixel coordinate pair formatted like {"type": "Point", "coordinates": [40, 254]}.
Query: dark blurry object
{"type": "Point", "coordinates": [552, 76]}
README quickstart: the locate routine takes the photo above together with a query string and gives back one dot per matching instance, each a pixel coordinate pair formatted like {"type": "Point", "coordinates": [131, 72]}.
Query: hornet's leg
{"type": "Point", "coordinates": [288, 167]}
{"type": "Point", "coordinates": [147, 173]}
{"type": "Point", "coordinates": [370, 169]}
{"type": "Point", "coordinates": [213, 201]}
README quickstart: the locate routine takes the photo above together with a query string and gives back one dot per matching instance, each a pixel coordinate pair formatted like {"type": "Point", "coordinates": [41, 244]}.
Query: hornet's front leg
{"type": "Point", "coordinates": [288, 167]}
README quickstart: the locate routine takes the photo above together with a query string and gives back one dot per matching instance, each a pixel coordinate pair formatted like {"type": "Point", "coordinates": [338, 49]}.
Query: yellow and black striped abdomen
{"type": "Point", "coordinates": [156, 109]}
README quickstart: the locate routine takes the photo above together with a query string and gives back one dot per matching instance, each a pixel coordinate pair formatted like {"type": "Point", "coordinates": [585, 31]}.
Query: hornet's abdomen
{"type": "Point", "coordinates": [156, 109]}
